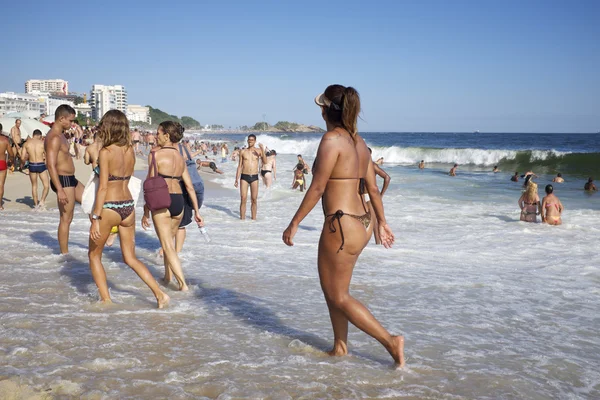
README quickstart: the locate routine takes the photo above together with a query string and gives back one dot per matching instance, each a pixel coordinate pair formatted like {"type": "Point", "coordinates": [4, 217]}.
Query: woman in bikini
{"type": "Point", "coordinates": [342, 166]}
{"type": "Point", "coordinates": [552, 208]}
{"type": "Point", "coordinates": [529, 202]}
{"type": "Point", "coordinates": [114, 205]}
{"type": "Point", "coordinates": [269, 169]}
{"type": "Point", "coordinates": [171, 166]}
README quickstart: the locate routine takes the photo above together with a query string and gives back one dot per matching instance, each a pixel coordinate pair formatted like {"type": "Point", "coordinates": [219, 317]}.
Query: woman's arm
{"type": "Point", "coordinates": [386, 178]}
{"type": "Point", "coordinates": [103, 161]}
{"type": "Point", "coordinates": [539, 203]}
{"type": "Point", "coordinates": [274, 168]}
{"type": "Point", "coordinates": [520, 202]}
{"type": "Point", "coordinates": [327, 156]}
{"type": "Point", "coordinates": [543, 209]}
{"type": "Point", "coordinates": [374, 194]}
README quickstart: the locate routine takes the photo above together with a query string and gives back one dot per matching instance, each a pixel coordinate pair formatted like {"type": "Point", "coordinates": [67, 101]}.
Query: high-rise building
{"type": "Point", "coordinates": [104, 98]}
{"type": "Point", "coordinates": [47, 85]}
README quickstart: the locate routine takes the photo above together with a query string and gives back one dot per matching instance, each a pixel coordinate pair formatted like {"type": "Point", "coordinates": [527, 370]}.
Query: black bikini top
{"type": "Point", "coordinates": [169, 176]}
{"type": "Point", "coordinates": [118, 178]}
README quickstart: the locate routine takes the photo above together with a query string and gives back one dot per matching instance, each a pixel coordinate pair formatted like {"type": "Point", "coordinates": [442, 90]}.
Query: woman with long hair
{"type": "Point", "coordinates": [529, 202]}
{"type": "Point", "coordinates": [114, 205]}
{"type": "Point", "coordinates": [342, 173]}
{"type": "Point", "coordinates": [171, 166]}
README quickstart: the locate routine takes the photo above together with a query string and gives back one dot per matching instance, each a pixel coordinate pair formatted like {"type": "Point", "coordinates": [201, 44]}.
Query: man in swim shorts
{"type": "Point", "coordinates": [5, 150]}
{"type": "Point", "coordinates": [247, 175]}
{"type": "Point", "coordinates": [62, 172]}
{"type": "Point", "coordinates": [15, 135]}
{"type": "Point", "coordinates": [33, 150]}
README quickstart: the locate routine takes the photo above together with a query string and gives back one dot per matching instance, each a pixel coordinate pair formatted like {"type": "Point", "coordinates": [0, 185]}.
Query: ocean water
{"type": "Point", "coordinates": [490, 307]}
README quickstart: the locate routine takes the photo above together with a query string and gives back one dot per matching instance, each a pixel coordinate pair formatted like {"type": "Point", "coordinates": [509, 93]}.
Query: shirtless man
{"type": "Point", "coordinates": [589, 186]}
{"type": "Point", "coordinates": [422, 164]}
{"type": "Point", "coordinates": [247, 170]}
{"type": "Point", "coordinates": [453, 170]}
{"type": "Point", "coordinates": [151, 140]}
{"type": "Point", "coordinates": [515, 177]}
{"type": "Point", "coordinates": [15, 135]}
{"type": "Point", "coordinates": [5, 149]}
{"type": "Point", "coordinates": [136, 137]}
{"type": "Point", "coordinates": [33, 149]}
{"type": "Point", "coordinates": [558, 178]}
{"type": "Point", "coordinates": [62, 172]}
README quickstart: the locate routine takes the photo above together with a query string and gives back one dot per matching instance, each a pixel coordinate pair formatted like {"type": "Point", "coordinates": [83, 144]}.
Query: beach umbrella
{"type": "Point", "coordinates": [48, 119]}
{"type": "Point", "coordinates": [24, 114]}
{"type": "Point", "coordinates": [27, 126]}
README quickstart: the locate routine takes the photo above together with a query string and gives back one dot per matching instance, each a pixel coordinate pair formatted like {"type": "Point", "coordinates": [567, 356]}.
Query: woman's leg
{"type": "Point", "coordinates": [335, 273]}
{"type": "Point", "coordinates": [163, 224]}
{"type": "Point", "coordinates": [179, 239]}
{"type": "Point", "coordinates": [127, 239]}
{"type": "Point", "coordinates": [109, 219]}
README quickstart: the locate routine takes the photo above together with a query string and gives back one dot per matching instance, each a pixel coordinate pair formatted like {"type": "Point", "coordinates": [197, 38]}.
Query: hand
{"type": "Point", "coordinates": [199, 220]}
{"type": "Point", "coordinates": [146, 222]}
{"type": "Point", "coordinates": [95, 230]}
{"type": "Point", "coordinates": [386, 235]}
{"type": "Point", "coordinates": [236, 183]}
{"type": "Point", "coordinates": [289, 234]}
{"type": "Point", "coordinates": [62, 197]}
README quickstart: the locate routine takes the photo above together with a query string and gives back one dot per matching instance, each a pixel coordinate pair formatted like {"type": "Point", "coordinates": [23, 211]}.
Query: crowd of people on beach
{"type": "Point", "coordinates": [343, 179]}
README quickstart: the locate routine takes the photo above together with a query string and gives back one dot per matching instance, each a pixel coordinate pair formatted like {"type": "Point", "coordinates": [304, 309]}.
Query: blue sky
{"type": "Point", "coordinates": [445, 66]}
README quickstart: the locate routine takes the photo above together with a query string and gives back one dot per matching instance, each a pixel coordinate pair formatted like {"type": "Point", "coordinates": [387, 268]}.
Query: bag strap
{"type": "Point", "coordinates": [153, 165]}
{"type": "Point", "coordinates": [187, 152]}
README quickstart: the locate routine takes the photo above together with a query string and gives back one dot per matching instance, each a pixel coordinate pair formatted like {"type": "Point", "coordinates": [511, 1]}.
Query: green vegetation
{"type": "Point", "coordinates": [285, 126]}
{"type": "Point", "coordinates": [260, 126]}
{"type": "Point", "coordinates": [159, 116]}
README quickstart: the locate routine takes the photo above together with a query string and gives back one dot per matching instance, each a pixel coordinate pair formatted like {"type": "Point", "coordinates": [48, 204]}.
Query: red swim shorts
{"type": "Point", "coordinates": [3, 165]}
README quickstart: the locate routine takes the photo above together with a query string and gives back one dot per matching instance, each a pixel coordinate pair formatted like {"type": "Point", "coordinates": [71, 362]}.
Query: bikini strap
{"type": "Point", "coordinates": [338, 215]}
{"type": "Point", "coordinates": [153, 165]}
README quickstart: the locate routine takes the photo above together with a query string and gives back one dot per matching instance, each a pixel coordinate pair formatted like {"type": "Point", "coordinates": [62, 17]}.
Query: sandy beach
{"type": "Point", "coordinates": [17, 190]}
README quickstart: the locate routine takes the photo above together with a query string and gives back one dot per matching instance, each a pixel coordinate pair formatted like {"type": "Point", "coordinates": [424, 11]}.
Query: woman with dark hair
{"type": "Point", "coordinates": [552, 208]}
{"type": "Point", "coordinates": [342, 171]}
{"type": "Point", "coordinates": [171, 166]}
{"type": "Point", "coordinates": [114, 205]}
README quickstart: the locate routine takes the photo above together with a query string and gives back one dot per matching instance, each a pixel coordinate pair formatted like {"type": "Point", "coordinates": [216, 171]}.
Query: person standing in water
{"type": "Point", "coordinates": [529, 202]}
{"type": "Point", "coordinates": [33, 150]}
{"type": "Point", "coordinates": [590, 186]}
{"type": "Point", "coordinates": [343, 166]}
{"type": "Point", "coordinates": [453, 170]}
{"type": "Point", "coordinates": [552, 208]}
{"type": "Point", "coordinates": [422, 164]}
{"type": "Point", "coordinates": [558, 178]}
{"type": "Point", "coordinates": [269, 169]}
{"type": "Point", "coordinates": [115, 206]}
{"type": "Point", "coordinates": [386, 182]}
{"type": "Point", "coordinates": [515, 177]}
{"type": "Point", "coordinates": [62, 172]}
{"type": "Point", "coordinates": [247, 175]}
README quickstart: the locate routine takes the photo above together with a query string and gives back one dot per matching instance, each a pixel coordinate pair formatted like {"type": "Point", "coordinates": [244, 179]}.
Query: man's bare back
{"type": "Point", "coordinates": [35, 150]}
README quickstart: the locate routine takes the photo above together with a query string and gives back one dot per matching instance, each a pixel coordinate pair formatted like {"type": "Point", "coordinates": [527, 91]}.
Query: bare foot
{"type": "Point", "coordinates": [339, 349]}
{"type": "Point", "coordinates": [183, 288]}
{"type": "Point", "coordinates": [166, 280]}
{"type": "Point", "coordinates": [106, 301]}
{"type": "Point", "coordinates": [398, 350]}
{"type": "Point", "coordinates": [163, 300]}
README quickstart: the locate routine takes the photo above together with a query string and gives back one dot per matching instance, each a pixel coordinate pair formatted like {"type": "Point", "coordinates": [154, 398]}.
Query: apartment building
{"type": "Point", "coordinates": [136, 113]}
{"type": "Point", "coordinates": [104, 98]}
{"type": "Point", "coordinates": [47, 85]}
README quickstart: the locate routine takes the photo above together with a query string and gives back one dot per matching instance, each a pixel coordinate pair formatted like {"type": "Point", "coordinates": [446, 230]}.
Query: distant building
{"type": "Point", "coordinates": [83, 108]}
{"type": "Point", "coordinates": [104, 98]}
{"type": "Point", "coordinates": [19, 102]}
{"type": "Point", "coordinates": [138, 114]}
{"type": "Point", "coordinates": [47, 85]}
